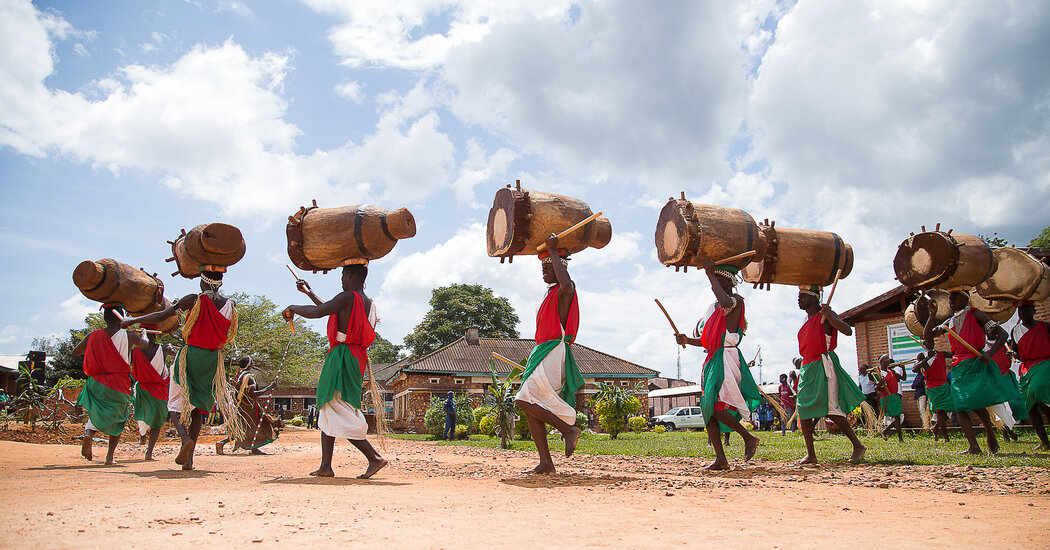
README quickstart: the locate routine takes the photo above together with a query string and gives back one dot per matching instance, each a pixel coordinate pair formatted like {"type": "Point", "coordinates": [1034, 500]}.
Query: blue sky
{"type": "Point", "coordinates": [121, 123]}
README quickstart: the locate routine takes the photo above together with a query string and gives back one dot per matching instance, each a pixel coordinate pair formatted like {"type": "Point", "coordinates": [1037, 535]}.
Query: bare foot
{"type": "Point", "coordinates": [571, 440]}
{"type": "Point", "coordinates": [717, 465]}
{"type": "Point", "coordinates": [188, 466]}
{"type": "Point", "coordinates": [541, 469]}
{"type": "Point", "coordinates": [373, 467]}
{"type": "Point", "coordinates": [149, 458]}
{"type": "Point", "coordinates": [993, 446]}
{"type": "Point", "coordinates": [218, 448]}
{"type": "Point", "coordinates": [85, 447]}
{"type": "Point", "coordinates": [972, 451]}
{"type": "Point", "coordinates": [809, 459]}
{"type": "Point", "coordinates": [185, 453]}
{"type": "Point", "coordinates": [109, 462]}
{"type": "Point", "coordinates": [858, 453]}
{"type": "Point", "coordinates": [323, 472]}
{"type": "Point", "coordinates": [750, 447]}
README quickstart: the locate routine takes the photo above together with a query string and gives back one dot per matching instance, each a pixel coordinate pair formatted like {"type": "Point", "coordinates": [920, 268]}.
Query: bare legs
{"type": "Point", "coordinates": [375, 462]}
{"type": "Point", "coordinates": [843, 426]}
{"type": "Point", "coordinates": [1035, 416]}
{"type": "Point", "coordinates": [538, 417]}
{"type": "Point", "coordinates": [154, 434]}
{"type": "Point", "coordinates": [714, 437]}
{"type": "Point", "coordinates": [967, 426]}
{"type": "Point", "coordinates": [188, 435]}
{"type": "Point", "coordinates": [85, 446]}
{"type": "Point", "coordinates": [220, 444]}
{"type": "Point", "coordinates": [940, 423]}
{"type": "Point", "coordinates": [895, 425]}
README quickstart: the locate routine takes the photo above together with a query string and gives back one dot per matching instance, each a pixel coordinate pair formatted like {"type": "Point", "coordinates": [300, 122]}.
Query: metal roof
{"type": "Point", "coordinates": [463, 358]}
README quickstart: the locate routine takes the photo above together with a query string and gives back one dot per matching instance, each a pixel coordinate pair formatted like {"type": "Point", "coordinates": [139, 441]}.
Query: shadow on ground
{"type": "Point", "coordinates": [311, 480]}
{"type": "Point", "coordinates": [564, 480]}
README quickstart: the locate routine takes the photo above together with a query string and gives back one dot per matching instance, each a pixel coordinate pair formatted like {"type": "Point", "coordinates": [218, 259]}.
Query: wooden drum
{"type": "Point", "coordinates": [999, 311]}
{"type": "Point", "coordinates": [519, 221]}
{"type": "Point", "coordinates": [689, 233]}
{"type": "Point", "coordinates": [167, 325]}
{"type": "Point", "coordinates": [943, 260]}
{"type": "Point", "coordinates": [944, 309]}
{"type": "Point", "coordinates": [1016, 276]}
{"type": "Point", "coordinates": [800, 257]}
{"type": "Point", "coordinates": [329, 238]}
{"type": "Point", "coordinates": [1042, 290]}
{"type": "Point", "coordinates": [208, 247]}
{"type": "Point", "coordinates": [108, 280]}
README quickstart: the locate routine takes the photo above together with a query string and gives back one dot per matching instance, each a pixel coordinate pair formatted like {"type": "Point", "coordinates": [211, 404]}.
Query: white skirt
{"type": "Point", "coordinates": [543, 386]}
{"type": "Point", "coordinates": [337, 418]}
{"type": "Point", "coordinates": [1005, 413]}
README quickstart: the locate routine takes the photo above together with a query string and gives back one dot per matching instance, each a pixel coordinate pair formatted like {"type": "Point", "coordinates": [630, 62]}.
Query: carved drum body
{"type": "Point", "coordinates": [689, 233]}
{"type": "Point", "coordinates": [108, 280]}
{"type": "Point", "coordinates": [936, 259]}
{"type": "Point", "coordinates": [1042, 290]}
{"type": "Point", "coordinates": [520, 221]}
{"type": "Point", "coordinates": [944, 309]}
{"type": "Point", "coordinates": [1016, 276]}
{"type": "Point", "coordinates": [207, 247]}
{"type": "Point", "coordinates": [320, 239]}
{"type": "Point", "coordinates": [999, 311]}
{"type": "Point", "coordinates": [800, 257]}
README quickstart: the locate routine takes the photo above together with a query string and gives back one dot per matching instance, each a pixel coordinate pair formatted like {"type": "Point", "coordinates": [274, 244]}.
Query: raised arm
{"type": "Point", "coordinates": [832, 320]}
{"type": "Point", "coordinates": [304, 287]}
{"type": "Point", "coordinates": [566, 288]}
{"type": "Point", "coordinates": [341, 301]}
{"type": "Point", "coordinates": [184, 304]}
{"type": "Point", "coordinates": [992, 331]}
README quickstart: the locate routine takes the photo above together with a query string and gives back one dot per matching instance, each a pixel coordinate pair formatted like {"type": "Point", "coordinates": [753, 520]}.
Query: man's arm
{"type": "Point", "coordinates": [341, 301]}
{"type": "Point", "coordinates": [184, 304]}
{"type": "Point", "coordinates": [566, 288]}
{"type": "Point", "coordinates": [996, 332]}
{"type": "Point", "coordinates": [833, 320]}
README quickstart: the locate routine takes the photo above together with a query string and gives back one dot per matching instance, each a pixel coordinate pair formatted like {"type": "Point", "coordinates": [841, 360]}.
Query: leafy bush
{"type": "Point", "coordinates": [581, 421]}
{"type": "Point", "coordinates": [612, 417]}
{"type": "Point", "coordinates": [637, 424]}
{"type": "Point", "coordinates": [659, 429]}
{"type": "Point", "coordinates": [434, 419]}
{"type": "Point", "coordinates": [479, 414]}
{"type": "Point", "coordinates": [521, 425]}
{"type": "Point", "coordinates": [297, 421]}
{"type": "Point", "coordinates": [462, 431]}
{"type": "Point", "coordinates": [487, 426]}
{"type": "Point", "coordinates": [70, 382]}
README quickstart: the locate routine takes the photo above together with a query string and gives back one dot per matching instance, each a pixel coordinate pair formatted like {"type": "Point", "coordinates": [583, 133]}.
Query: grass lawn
{"type": "Point", "coordinates": [919, 449]}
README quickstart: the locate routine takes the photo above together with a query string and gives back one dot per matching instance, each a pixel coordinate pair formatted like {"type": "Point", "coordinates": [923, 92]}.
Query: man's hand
{"type": "Point", "coordinates": [552, 242]}
{"type": "Point", "coordinates": [709, 266]}
{"type": "Point", "coordinates": [288, 314]}
{"type": "Point", "coordinates": [681, 339]}
{"type": "Point", "coordinates": [303, 286]}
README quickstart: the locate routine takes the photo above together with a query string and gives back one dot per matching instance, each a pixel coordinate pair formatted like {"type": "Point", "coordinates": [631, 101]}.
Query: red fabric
{"type": "Point", "coordinates": [787, 400]}
{"type": "Point", "coordinates": [104, 363]}
{"type": "Point", "coordinates": [970, 332]}
{"type": "Point", "coordinates": [937, 372]}
{"type": "Point", "coordinates": [548, 319]}
{"type": "Point", "coordinates": [211, 328]}
{"type": "Point", "coordinates": [722, 406]}
{"type": "Point", "coordinates": [714, 331]}
{"type": "Point", "coordinates": [1034, 346]}
{"type": "Point", "coordinates": [812, 341]}
{"type": "Point", "coordinates": [1002, 360]}
{"type": "Point", "coordinates": [147, 376]}
{"type": "Point", "coordinates": [892, 385]}
{"type": "Point", "coordinates": [359, 332]}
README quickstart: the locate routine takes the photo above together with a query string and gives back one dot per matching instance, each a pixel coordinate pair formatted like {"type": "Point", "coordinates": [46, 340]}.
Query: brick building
{"type": "Point", "coordinates": [463, 367]}
{"type": "Point", "coordinates": [879, 325]}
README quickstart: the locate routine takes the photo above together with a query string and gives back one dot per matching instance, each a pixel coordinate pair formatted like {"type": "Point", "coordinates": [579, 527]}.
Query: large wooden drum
{"type": "Point", "coordinates": [207, 247]}
{"type": "Point", "coordinates": [320, 239]}
{"type": "Point", "coordinates": [519, 221]}
{"type": "Point", "coordinates": [1042, 290]}
{"type": "Point", "coordinates": [999, 311]}
{"type": "Point", "coordinates": [943, 260]}
{"type": "Point", "coordinates": [689, 233]}
{"type": "Point", "coordinates": [1016, 275]}
{"type": "Point", "coordinates": [108, 280]}
{"type": "Point", "coordinates": [944, 309]}
{"type": "Point", "coordinates": [800, 257]}
{"type": "Point", "coordinates": [167, 325]}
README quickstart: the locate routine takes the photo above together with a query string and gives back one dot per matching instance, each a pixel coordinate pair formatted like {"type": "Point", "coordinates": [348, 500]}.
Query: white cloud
{"type": "Point", "coordinates": [10, 333]}
{"type": "Point", "coordinates": [74, 309]}
{"type": "Point", "coordinates": [478, 168]}
{"type": "Point", "coordinates": [235, 7]}
{"type": "Point", "coordinates": [157, 40]}
{"type": "Point", "coordinates": [351, 90]}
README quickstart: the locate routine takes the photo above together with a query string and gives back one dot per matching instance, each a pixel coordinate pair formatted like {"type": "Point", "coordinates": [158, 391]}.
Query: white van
{"type": "Point", "coordinates": [682, 417]}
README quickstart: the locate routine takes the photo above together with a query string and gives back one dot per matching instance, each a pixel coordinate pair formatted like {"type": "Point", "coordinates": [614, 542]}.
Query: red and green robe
{"type": "Point", "coordinates": [1033, 345]}
{"type": "Point", "coordinates": [938, 392]}
{"type": "Point", "coordinates": [824, 388]}
{"type": "Point", "coordinates": [151, 388]}
{"type": "Point", "coordinates": [726, 379]}
{"type": "Point", "coordinates": [890, 397]}
{"type": "Point", "coordinates": [198, 377]}
{"type": "Point", "coordinates": [552, 378]}
{"type": "Point", "coordinates": [975, 384]}
{"type": "Point", "coordinates": [1013, 410]}
{"type": "Point", "coordinates": [341, 386]}
{"type": "Point", "coordinates": [107, 392]}
{"type": "Point", "coordinates": [259, 428]}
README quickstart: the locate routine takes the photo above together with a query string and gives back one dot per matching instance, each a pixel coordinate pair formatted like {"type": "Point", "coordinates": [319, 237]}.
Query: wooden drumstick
{"type": "Point", "coordinates": [831, 294]}
{"type": "Point", "coordinates": [676, 333]}
{"type": "Point", "coordinates": [291, 322]}
{"type": "Point", "coordinates": [961, 341]}
{"type": "Point", "coordinates": [586, 221]}
{"type": "Point", "coordinates": [505, 360]}
{"type": "Point", "coordinates": [735, 258]}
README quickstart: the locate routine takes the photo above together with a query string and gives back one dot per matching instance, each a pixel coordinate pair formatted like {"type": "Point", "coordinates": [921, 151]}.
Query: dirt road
{"type": "Point", "coordinates": [459, 497]}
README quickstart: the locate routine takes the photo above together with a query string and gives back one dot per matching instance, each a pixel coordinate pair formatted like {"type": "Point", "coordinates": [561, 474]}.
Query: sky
{"type": "Point", "coordinates": [123, 122]}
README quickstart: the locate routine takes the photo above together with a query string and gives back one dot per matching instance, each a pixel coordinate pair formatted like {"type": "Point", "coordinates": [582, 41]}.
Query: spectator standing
{"type": "Point", "coordinates": [787, 402]}
{"type": "Point", "coordinates": [450, 418]}
{"type": "Point", "coordinates": [867, 385]}
{"type": "Point", "coordinates": [918, 386]}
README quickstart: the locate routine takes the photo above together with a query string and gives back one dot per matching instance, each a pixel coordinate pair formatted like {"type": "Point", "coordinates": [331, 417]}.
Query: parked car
{"type": "Point", "coordinates": [682, 417]}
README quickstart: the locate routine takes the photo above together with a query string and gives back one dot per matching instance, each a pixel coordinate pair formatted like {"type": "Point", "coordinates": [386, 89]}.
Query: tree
{"type": "Point", "coordinates": [384, 351]}
{"type": "Point", "coordinates": [995, 240]}
{"type": "Point", "coordinates": [455, 307]}
{"type": "Point", "coordinates": [1042, 240]}
{"type": "Point", "coordinates": [615, 405]}
{"type": "Point", "coordinates": [60, 362]}
{"type": "Point", "coordinates": [263, 334]}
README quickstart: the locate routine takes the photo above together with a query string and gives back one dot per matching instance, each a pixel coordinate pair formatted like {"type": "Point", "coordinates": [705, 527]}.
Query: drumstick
{"type": "Point", "coordinates": [589, 219]}
{"type": "Point", "coordinates": [291, 322]}
{"type": "Point", "coordinates": [676, 333]}
{"type": "Point", "coordinates": [735, 258]}
{"type": "Point", "coordinates": [963, 342]}
{"type": "Point", "coordinates": [831, 294]}
{"type": "Point", "coordinates": [505, 360]}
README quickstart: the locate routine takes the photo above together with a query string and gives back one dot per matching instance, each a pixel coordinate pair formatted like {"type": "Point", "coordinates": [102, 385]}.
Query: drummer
{"type": "Point", "coordinates": [1031, 339]}
{"type": "Point", "coordinates": [975, 383]}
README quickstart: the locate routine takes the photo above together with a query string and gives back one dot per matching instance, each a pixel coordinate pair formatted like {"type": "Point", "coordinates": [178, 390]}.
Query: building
{"type": "Point", "coordinates": [669, 393]}
{"type": "Point", "coordinates": [463, 367]}
{"type": "Point", "coordinates": [295, 400]}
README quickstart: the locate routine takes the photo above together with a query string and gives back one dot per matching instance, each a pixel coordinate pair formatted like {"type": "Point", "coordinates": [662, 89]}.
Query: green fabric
{"type": "Point", "coordinates": [107, 408]}
{"type": "Point", "coordinates": [976, 385]}
{"type": "Point", "coordinates": [714, 375]}
{"type": "Point", "coordinates": [812, 399]}
{"type": "Point", "coordinates": [341, 372]}
{"type": "Point", "coordinates": [149, 409]}
{"type": "Point", "coordinates": [1013, 392]}
{"type": "Point", "coordinates": [1035, 385]}
{"type": "Point", "coordinates": [892, 405]}
{"type": "Point", "coordinates": [572, 380]}
{"type": "Point", "coordinates": [200, 373]}
{"type": "Point", "coordinates": [940, 398]}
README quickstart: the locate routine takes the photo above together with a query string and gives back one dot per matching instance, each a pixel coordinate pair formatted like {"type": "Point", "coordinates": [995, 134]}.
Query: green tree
{"type": "Point", "coordinates": [263, 334]}
{"type": "Point", "coordinates": [60, 362]}
{"type": "Point", "coordinates": [615, 405]}
{"type": "Point", "coordinates": [994, 240]}
{"type": "Point", "coordinates": [1042, 240]}
{"type": "Point", "coordinates": [455, 307]}
{"type": "Point", "coordinates": [384, 351]}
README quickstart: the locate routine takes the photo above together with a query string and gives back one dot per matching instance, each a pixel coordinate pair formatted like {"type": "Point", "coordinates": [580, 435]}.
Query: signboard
{"type": "Point", "coordinates": [901, 344]}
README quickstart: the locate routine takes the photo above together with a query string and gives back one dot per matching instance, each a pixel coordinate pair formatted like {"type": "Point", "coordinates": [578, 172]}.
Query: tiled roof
{"type": "Point", "coordinates": [460, 357]}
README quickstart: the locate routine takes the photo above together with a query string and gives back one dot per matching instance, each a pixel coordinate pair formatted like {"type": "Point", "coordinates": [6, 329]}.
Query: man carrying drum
{"type": "Point", "coordinates": [551, 377]}
{"type": "Point", "coordinates": [824, 389]}
{"type": "Point", "coordinates": [151, 389]}
{"type": "Point", "coordinates": [1032, 341]}
{"type": "Point", "coordinates": [729, 390]}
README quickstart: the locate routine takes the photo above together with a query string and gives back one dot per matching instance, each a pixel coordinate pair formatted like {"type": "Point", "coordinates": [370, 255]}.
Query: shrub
{"type": "Point", "coordinates": [69, 382]}
{"type": "Point", "coordinates": [479, 414]}
{"type": "Point", "coordinates": [297, 421]}
{"type": "Point", "coordinates": [487, 425]}
{"type": "Point", "coordinates": [434, 419]}
{"type": "Point", "coordinates": [581, 421]}
{"type": "Point", "coordinates": [613, 421]}
{"type": "Point", "coordinates": [637, 424]}
{"type": "Point", "coordinates": [521, 425]}
{"type": "Point", "coordinates": [659, 428]}
{"type": "Point", "coordinates": [462, 431]}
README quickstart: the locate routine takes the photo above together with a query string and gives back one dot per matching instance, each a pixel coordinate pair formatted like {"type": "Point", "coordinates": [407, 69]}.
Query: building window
{"type": "Point", "coordinates": [460, 381]}
{"type": "Point", "coordinates": [435, 380]}
{"type": "Point", "coordinates": [624, 383]}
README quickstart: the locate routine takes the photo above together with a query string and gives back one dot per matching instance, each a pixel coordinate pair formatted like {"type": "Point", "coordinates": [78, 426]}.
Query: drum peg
{"type": "Point", "coordinates": [938, 227]}
{"type": "Point", "coordinates": [183, 231]}
{"type": "Point", "coordinates": [950, 231]}
{"type": "Point", "coordinates": [670, 199]}
{"type": "Point", "coordinates": [508, 186]}
{"type": "Point", "coordinates": [174, 274]}
{"type": "Point", "coordinates": [923, 227]}
{"type": "Point", "coordinates": [171, 259]}
{"type": "Point", "coordinates": [172, 243]}
{"type": "Point", "coordinates": [912, 233]}
{"type": "Point", "coordinates": [517, 183]}
{"type": "Point", "coordinates": [683, 195]}
{"type": "Point", "coordinates": [315, 203]}
{"type": "Point", "coordinates": [772, 224]}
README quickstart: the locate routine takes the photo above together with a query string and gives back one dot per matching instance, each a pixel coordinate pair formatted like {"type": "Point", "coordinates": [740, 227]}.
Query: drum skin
{"type": "Point", "coordinates": [1016, 276]}
{"type": "Point", "coordinates": [521, 220]}
{"type": "Point", "coordinates": [689, 233]}
{"type": "Point", "coordinates": [937, 259]}
{"type": "Point", "coordinates": [800, 257]}
{"type": "Point", "coordinates": [944, 308]}
{"type": "Point", "coordinates": [1042, 290]}
{"type": "Point", "coordinates": [328, 238]}
{"type": "Point", "coordinates": [108, 280]}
